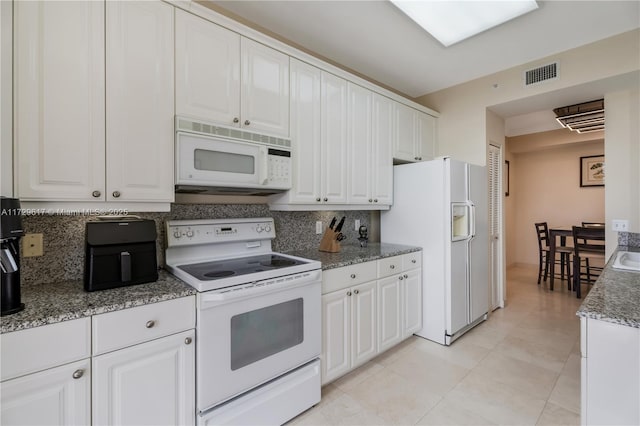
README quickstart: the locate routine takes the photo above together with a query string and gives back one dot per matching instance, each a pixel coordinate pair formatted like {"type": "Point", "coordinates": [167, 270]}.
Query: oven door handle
{"type": "Point", "coordinates": [260, 288]}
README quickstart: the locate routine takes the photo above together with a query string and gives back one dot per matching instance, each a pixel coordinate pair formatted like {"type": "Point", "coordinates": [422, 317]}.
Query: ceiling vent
{"type": "Point", "coordinates": [582, 118]}
{"type": "Point", "coordinates": [540, 74]}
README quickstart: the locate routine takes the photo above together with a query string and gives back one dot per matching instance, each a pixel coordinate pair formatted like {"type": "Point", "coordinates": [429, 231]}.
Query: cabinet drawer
{"type": "Point", "coordinates": [339, 278]}
{"type": "Point", "coordinates": [127, 327]}
{"type": "Point", "coordinates": [39, 348]}
{"type": "Point", "coordinates": [412, 260]}
{"type": "Point", "coordinates": [389, 266]}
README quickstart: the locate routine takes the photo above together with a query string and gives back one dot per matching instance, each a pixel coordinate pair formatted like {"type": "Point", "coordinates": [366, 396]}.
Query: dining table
{"type": "Point", "coordinates": [562, 232]}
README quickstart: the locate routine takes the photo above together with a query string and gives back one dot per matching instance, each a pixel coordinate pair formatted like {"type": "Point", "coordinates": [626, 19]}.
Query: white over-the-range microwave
{"type": "Point", "coordinates": [211, 159]}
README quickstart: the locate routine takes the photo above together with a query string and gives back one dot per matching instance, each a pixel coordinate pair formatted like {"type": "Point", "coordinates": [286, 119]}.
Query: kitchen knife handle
{"type": "Point", "coordinates": [125, 266]}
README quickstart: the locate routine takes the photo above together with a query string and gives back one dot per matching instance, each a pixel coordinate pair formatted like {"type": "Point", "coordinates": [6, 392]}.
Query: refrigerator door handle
{"type": "Point", "coordinates": [472, 220]}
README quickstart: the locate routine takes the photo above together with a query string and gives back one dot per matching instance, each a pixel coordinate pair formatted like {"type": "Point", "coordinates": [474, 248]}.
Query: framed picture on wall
{"type": "Point", "coordinates": [592, 170]}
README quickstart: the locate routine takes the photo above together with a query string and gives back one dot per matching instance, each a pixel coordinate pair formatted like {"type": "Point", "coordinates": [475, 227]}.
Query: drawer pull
{"type": "Point", "coordinates": [401, 277]}
{"type": "Point", "coordinates": [353, 276]}
{"type": "Point", "coordinates": [406, 276]}
{"type": "Point", "coordinates": [78, 373]}
{"type": "Point", "coordinates": [187, 341]}
{"type": "Point", "coordinates": [348, 293]}
{"type": "Point", "coordinates": [96, 194]}
{"type": "Point", "coordinates": [150, 324]}
{"type": "Point", "coordinates": [413, 261]}
{"type": "Point", "coordinates": [392, 266]}
{"type": "Point", "coordinates": [356, 291]}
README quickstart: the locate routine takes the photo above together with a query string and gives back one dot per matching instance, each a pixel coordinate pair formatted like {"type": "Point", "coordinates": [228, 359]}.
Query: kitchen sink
{"type": "Point", "coordinates": [627, 260]}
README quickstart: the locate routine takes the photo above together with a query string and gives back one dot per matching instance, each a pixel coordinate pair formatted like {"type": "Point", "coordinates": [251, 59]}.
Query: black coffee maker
{"type": "Point", "coordinates": [10, 233]}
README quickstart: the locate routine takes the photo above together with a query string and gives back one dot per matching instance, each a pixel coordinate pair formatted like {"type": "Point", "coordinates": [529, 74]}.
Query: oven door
{"type": "Point", "coordinates": [244, 340]}
{"type": "Point", "coordinates": [211, 161]}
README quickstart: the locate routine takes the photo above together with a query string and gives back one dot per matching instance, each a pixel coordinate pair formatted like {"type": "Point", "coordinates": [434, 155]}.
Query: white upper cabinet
{"type": "Point", "coordinates": [207, 70]}
{"type": "Point", "coordinates": [360, 170]}
{"type": "Point", "coordinates": [264, 102]}
{"type": "Point", "coordinates": [382, 150]}
{"type": "Point", "coordinates": [229, 79]}
{"type": "Point", "coordinates": [59, 98]}
{"type": "Point", "coordinates": [414, 134]}
{"type": "Point", "coordinates": [334, 139]}
{"type": "Point", "coordinates": [140, 103]}
{"type": "Point", "coordinates": [305, 133]}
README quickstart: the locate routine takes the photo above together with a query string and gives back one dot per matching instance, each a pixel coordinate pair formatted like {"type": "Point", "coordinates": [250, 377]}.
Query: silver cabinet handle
{"type": "Point", "coordinates": [150, 324]}
{"type": "Point", "coordinates": [318, 199]}
{"type": "Point", "coordinates": [401, 278]}
{"type": "Point", "coordinates": [326, 199]}
{"type": "Point", "coordinates": [96, 194]}
{"type": "Point", "coordinates": [116, 194]}
{"type": "Point", "coordinates": [370, 200]}
{"type": "Point", "coordinates": [353, 276]}
{"type": "Point", "coordinates": [392, 266]}
{"type": "Point", "coordinates": [187, 341]}
{"type": "Point", "coordinates": [236, 120]}
{"type": "Point", "coordinates": [78, 373]}
{"type": "Point", "coordinates": [247, 122]}
{"type": "Point", "coordinates": [375, 200]}
{"type": "Point", "coordinates": [406, 276]}
{"type": "Point", "coordinates": [416, 158]}
{"type": "Point", "coordinates": [348, 293]}
{"type": "Point", "coordinates": [413, 261]}
{"type": "Point", "coordinates": [356, 291]}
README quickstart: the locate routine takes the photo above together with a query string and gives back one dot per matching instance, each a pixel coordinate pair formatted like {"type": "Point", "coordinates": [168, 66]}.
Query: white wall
{"type": "Point", "coordinates": [462, 128]}
{"type": "Point", "coordinates": [6, 100]}
{"type": "Point", "coordinates": [545, 187]}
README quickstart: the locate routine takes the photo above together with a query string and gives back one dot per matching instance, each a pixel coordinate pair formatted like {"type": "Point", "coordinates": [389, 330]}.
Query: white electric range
{"type": "Point", "coordinates": [258, 325]}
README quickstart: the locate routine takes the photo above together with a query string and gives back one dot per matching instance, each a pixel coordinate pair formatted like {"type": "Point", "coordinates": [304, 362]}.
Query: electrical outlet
{"type": "Point", "coordinates": [620, 225]}
{"type": "Point", "coordinates": [32, 245]}
{"type": "Point", "coordinates": [319, 227]}
{"type": "Point", "coordinates": [357, 223]}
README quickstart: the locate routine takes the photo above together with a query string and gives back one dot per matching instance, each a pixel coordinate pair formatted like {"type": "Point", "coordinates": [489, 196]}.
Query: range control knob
{"type": "Point", "coordinates": [259, 228]}
{"type": "Point", "coordinates": [189, 233]}
{"type": "Point", "coordinates": [176, 233]}
{"type": "Point", "coordinates": [267, 228]}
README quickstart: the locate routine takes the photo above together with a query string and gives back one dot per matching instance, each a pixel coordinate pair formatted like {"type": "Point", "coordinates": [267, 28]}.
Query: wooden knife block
{"type": "Point", "coordinates": [329, 241]}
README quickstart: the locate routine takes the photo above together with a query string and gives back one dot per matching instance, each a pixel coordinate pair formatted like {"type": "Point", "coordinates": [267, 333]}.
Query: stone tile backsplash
{"type": "Point", "coordinates": [629, 239]}
{"type": "Point", "coordinates": [63, 257]}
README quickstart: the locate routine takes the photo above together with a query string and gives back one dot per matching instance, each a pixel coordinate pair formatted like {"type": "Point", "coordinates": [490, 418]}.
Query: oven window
{"type": "Point", "coordinates": [219, 161]}
{"type": "Point", "coordinates": [261, 333]}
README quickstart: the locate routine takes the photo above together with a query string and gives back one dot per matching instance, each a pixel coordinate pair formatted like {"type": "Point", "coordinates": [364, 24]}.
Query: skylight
{"type": "Point", "coordinates": [451, 21]}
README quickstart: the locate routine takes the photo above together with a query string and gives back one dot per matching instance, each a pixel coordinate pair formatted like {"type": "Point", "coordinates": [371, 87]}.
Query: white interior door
{"type": "Point", "coordinates": [495, 227]}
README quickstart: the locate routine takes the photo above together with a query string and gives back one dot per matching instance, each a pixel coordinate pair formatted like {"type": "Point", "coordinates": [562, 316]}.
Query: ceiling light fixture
{"type": "Point", "coordinates": [582, 118]}
{"type": "Point", "coordinates": [453, 21]}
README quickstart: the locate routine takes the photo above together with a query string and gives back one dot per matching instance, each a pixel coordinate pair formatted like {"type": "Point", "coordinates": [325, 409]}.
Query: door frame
{"type": "Point", "coordinates": [500, 262]}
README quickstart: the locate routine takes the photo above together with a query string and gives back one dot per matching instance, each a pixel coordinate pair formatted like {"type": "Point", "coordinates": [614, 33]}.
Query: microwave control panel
{"type": "Point", "coordinates": [279, 166]}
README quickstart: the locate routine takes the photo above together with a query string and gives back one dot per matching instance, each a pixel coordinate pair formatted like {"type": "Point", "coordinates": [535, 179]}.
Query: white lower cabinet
{"type": "Point", "coordinates": [152, 383]}
{"type": "Point", "coordinates": [610, 382]}
{"type": "Point", "coordinates": [349, 331]}
{"type": "Point", "coordinates": [57, 396]}
{"type": "Point", "coordinates": [362, 316]}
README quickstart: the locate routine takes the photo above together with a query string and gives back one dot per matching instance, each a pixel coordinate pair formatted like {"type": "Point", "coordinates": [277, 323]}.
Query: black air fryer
{"type": "Point", "coordinates": [10, 233]}
{"type": "Point", "coordinates": [120, 253]}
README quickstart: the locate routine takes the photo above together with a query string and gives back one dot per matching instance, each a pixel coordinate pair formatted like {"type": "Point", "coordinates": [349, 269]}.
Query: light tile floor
{"type": "Point", "coordinates": [520, 367]}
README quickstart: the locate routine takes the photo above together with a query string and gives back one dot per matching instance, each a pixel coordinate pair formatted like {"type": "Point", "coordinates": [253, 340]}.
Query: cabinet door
{"type": "Point", "coordinates": [151, 383]}
{"type": "Point", "coordinates": [412, 309]}
{"type": "Point", "coordinates": [207, 70]}
{"type": "Point", "coordinates": [425, 136]}
{"type": "Point", "coordinates": [405, 128]}
{"type": "Point", "coordinates": [359, 144]}
{"type": "Point", "coordinates": [305, 132]}
{"type": "Point", "coordinates": [264, 101]}
{"type": "Point", "coordinates": [140, 104]}
{"type": "Point", "coordinates": [389, 312]}
{"type": "Point", "coordinates": [363, 323]}
{"type": "Point", "coordinates": [334, 139]}
{"type": "Point", "coordinates": [336, 335]}
{"type": "Point", "coordinates": [57, 396]}
{"type": "Point", "coordinates": [59, 100]}
{"type": "Point", "coordinates": [382, 150]}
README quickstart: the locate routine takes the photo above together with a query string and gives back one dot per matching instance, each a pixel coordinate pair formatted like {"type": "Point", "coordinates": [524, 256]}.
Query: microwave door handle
{"type": "Point", "coordinates": [264, 166]}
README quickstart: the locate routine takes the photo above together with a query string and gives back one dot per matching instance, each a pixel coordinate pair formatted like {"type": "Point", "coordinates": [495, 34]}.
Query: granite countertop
{"type": "Point", "coordinates": [615, 297]}
{"type": "Point", "coordinates": [353, 253]}
{"type": "Point", "coordinates": [61, 301]}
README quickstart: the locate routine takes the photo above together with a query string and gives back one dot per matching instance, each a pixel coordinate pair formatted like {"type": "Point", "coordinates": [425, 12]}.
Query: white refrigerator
{"type": "Point", "coordinates": [442, 206]}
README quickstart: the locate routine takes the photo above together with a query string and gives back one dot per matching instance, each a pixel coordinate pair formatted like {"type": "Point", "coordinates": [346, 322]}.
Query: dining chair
{"type": "Point", "coordinates": [544, 261]}
{"type": "Point", "coordinates": [588, 245]}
